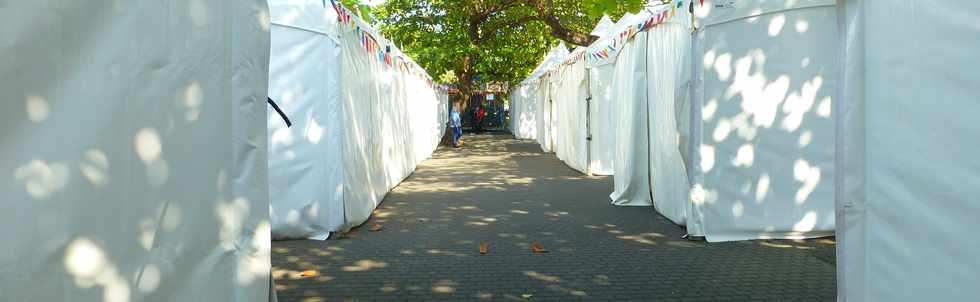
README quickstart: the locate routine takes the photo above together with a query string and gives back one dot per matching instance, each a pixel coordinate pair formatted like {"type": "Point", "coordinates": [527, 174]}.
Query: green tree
{"type": "Point", "coordinates": [500, 40]}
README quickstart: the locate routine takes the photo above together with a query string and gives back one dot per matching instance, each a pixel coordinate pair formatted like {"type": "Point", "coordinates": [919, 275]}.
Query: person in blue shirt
{"type": "Point", "coordinates": [456, 123]}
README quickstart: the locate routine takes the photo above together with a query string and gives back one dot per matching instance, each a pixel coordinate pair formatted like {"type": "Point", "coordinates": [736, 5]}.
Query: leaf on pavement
{"type": "Point", "coordinates": [537, 248]}
{"type": "Point", "coordinates": [308, 273]}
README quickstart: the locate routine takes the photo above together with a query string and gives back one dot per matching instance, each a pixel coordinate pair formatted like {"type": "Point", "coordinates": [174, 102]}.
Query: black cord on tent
{"type": "Point", "coordinates": [281, 114]}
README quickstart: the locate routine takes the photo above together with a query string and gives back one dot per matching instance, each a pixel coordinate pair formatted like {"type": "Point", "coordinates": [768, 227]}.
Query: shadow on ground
{"type": "Point", "coordinates": [508, 193]}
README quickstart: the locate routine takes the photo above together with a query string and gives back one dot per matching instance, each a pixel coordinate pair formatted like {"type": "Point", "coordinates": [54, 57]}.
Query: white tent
{"type": "Point", "coordinates": [522, 113]}
{"type": "Point", "coordinates": [567, 111]}
{"type": "Point", "coordinates": [365, 115]}
{"type": "Point", "coordinates": [570, 115]}
{"type": "Point", "coordinates": [545, 112]}
{"type": "Point", "coordinates": [584, 107]}
{"type": "Point", "coordinates": [602, 27]}
{"type": "Point", "coordinates": [602, 117]}
{"type": "Point", "coordinates": [762, 131]}
{"type": "Point", "coordinates": [649, 81]}
{"type": "Point", "coordinates": [305, 160]}
{"type": "Point", "coordinates": [601, 120]}
{"type": "Point", "coordinates": [711, 156]}
{"type": "Point", "coordinates": [630, 182]}
{"type": "Point", "coordinates": [907, 195]}
{"type": "Point", "coordinates": [134, 151]}
{"type": "Point", "coordinates": [524, 99]}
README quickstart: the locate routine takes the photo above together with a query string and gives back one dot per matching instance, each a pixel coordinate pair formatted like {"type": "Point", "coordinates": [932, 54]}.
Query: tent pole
{"type": "Point", "coordinates": [588, 121]}
{"type": "Point", "coordinates": [646, 114]}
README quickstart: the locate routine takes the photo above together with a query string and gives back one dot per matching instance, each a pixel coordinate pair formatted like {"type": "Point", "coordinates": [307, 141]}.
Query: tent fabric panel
{"type": "Point", "coordinates": [713, 12]}
{"type": "Point", "coordinates": [602, 120]}
{"type": "Point", "coordinates": [668, 48]}
{"type": "Point", "coordinates": [134, 150]}
{"type": "Point", "coordinates": [765, 156]}
{"type": "Point", "coordinates": [524, 112]}
{"type": "Point", "coordinates": [307, 15]}
{"type": "Point", "coordinates": [393, 119]}
{"type": "Point", "coordinates": [305, 162]}
{"type": "Point", "coordinates": [629, 97]}
{"type": "Point", "coordinates": [365, 86]}
{"type": "Point", "coordinates": [570, 119]}
{"type": "Point", "coordinates": [911, 176]}
{"type": "Point", "coordinates": [545, 111]}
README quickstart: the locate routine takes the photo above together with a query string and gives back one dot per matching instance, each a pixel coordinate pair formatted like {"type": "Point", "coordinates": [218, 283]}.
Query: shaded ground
{"type": "Point", "coordinates": [509, 194]}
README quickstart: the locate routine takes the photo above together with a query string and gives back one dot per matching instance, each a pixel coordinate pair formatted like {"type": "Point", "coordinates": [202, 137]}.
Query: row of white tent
{"type": "Point", "coordinates": [776, 119]}
{"type": "Point", "coordinates": [361, 125]}
{"type": "Point", "coordinates": [140, 153]}
{"type": "Point", "coordinates": [725, 129]}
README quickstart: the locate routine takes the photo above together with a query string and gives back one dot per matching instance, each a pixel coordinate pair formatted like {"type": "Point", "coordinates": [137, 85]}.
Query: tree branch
{"type": "Point", "coordinates": [547, 10]}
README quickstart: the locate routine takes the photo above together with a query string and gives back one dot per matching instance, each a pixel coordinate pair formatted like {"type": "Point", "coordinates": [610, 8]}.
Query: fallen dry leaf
{"type": "Point", "coordinates": [308, 274]}
{"type": "Point", "coordinates": [375, 227]}
{"type": "Point", "coordinates": [537, 248]}
{"type": "Point", "coordinates": [484, 247]}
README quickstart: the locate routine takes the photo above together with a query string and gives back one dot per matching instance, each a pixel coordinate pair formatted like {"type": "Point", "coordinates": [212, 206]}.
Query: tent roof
{"type": "Point", "coordinates": [621, 24]}
{"type": "Point", "coordinates": [603, 26]}
{"type": "Point", "coordinates": [554, 57]}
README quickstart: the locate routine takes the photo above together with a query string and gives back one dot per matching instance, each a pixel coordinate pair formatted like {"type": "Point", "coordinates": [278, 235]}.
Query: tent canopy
{"type": "Point", "coordinates": [134, 151]}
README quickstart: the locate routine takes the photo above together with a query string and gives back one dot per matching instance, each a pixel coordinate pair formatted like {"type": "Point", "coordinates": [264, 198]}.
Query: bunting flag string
{"type": "Point", "coordinates": [382, 52]}
{"type": "Point", "coordinates": [600, 53]}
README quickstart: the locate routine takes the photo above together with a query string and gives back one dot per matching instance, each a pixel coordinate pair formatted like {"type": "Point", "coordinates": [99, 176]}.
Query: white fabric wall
{"type": "Point", "coordinates": [305, 162]}
{"type": "Point", "coordinates": [602, 120]}
{"type": "Point", "coordinates": [668, 50]}
{"type": "Point", "coordinates": [631, 181]}
{"type": "Point", "coordinates": [360, 125]}
{"type": "Point", "coordinates": [552, 119]}
{"type": "Point", "coordinates": [544, 112]}
{"type": "Point", "coordinates": [907, 198]}
{"type": "Point", "coordinates": [513, 102]}
{"type": "Point", "coordinates": [765, 84]}
{"type": "Point", "coordinates": [570, 116]}
{"type": "Point", "coordinates": [530, 117]}
{"type": "Point", "coordinates": [390, 125]}
{"type": "Point", "coordinates": [523, 112]}
{"type": "Point", "coordinates": [133, 149]}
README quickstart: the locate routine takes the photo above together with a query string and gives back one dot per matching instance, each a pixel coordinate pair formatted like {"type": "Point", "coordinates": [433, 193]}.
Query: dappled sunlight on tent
{"type": "Point", "coordinates": [231, 215]}
{"type": "Point", "coordinates": [255, 265]}
{"type": "Point", "coordinates": [41, 179]}
{"type": "Point", "coordinates": [38, 108]}
{"type": "Point", "coordinates": [119, 141]}
{"type": "Point", "coordinates": [95, 167]}
{"type": "Point", "coordinates": [776, 25]}
{"type": "Point", "coordinates": [765, 155]}
{"type": "Point", "coordinates": [199, 14]}
{"type": "Point", "coordinates": [806, 224]}
{"type": "Point", "coordinates": [193, 97]}
{"type": "Point", "coordinates": [90, 266]}
{"type": "Point", "coordinates": [798, 104]}
{"type": "Point", "coordinates": [762, 188]}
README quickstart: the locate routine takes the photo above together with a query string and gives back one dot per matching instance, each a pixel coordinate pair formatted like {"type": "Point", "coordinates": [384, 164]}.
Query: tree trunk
{"type": "Point", "coordinates": [466, 74]}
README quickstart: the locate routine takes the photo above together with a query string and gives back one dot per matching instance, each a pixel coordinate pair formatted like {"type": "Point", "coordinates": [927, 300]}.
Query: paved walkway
{"type": "Point", "coordinates": [506, 192]}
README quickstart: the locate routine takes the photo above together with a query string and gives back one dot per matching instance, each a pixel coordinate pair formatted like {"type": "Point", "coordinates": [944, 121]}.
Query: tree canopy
{"type": "Point", "coordinates": [498, 40]}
